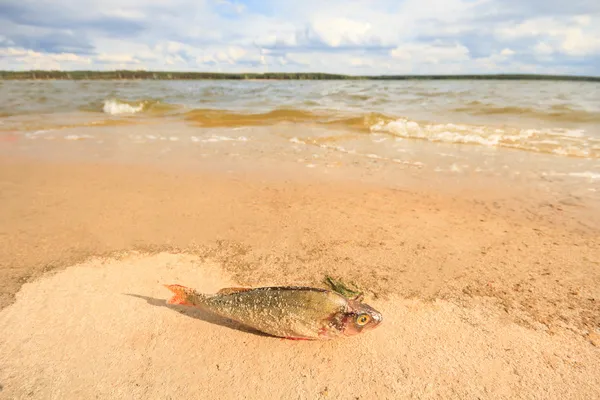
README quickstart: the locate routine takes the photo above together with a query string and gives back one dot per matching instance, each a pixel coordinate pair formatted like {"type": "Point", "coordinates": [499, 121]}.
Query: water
{"type": "Point", "coordinates": [459, 101]}
{"type": "Point", "coordinates": [528, 131]}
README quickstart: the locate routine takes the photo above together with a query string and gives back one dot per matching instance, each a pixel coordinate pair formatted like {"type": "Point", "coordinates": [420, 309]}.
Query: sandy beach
{"type": "Point", "coordinates": [267, 200]}
{"type": "Point", "coordinates": [483, 295]}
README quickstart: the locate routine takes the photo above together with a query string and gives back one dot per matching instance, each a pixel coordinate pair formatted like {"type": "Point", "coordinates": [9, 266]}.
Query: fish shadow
{"type": "Point", "coordinates": [203, 315]}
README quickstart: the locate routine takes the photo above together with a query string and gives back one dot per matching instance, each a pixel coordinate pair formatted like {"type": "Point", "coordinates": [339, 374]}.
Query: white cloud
{"type": "Point", "coordinates": [236, 52]}
{"type": "Point", "coordinates": [300, 59]}
{"type": "Point", "coordinates": [582, 20]}
{"type": "Point", "coordinates": [19, 59]}
{"type": "Point", "coordinates": [543, 49]}
{"type": "Point", "coordinates": [361, 36]}
{"type": "Point", "coordinates": [579, 43]}
{"type": "Point", "coordinates": [124, 13]}
{"type": "Point", "coordinates": [232, 55]}
{"type": "Point", "coordinates": [232, 5]}
{"type": "Point", "coordinates": [531, 28]}
{"type": "Point", "coordinates": [577, 36]}
{"type": "Point", "coordinates": [340, 31]}
{"type": "Point", "coordinates": [361, 62]}
{"type": "Point", "coordinates": [117, 58]}
{"type": "Point", "coordinates": [430, 53]}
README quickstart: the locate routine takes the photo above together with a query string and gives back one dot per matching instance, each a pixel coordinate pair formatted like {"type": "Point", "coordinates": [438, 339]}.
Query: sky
{"type": "Point", "coordinates": [357, 37]}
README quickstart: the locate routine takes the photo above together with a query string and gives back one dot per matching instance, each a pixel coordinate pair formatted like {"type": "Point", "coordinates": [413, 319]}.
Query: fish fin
{"type": "Point", "coordinates": [182, 294]}
{"type": "Point", "coordinates": [231, 290]}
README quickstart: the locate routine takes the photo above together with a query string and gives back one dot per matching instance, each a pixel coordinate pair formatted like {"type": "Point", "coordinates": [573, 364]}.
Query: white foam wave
{"type": "Point", "coordinates": [592, 176]}
{"type": "Point", "coordinates": [455, 168]}
{"type": "Point", "coordinates": [36, 134]}
{"type": "Point", "coordinates": [78, 137]}
{"type": "Point", "coordinates": [571, 151]}
{"type": "Point", "coordinates": [546, 141]}
{"type": "Point", "coordinates": [587, 174]}
{"type": "Point", "coordinates": [342, 149]}
{"type": "Point", "coordinates": [218, 138]}
{"type": "Point", "coordinates": [574, 133]}
{"type": "Point", "coordinates": [558, 141]}
{"type": "Point", "coordinates": [115, 107]}
{"type": "Point", "coordinates": [406, 162]}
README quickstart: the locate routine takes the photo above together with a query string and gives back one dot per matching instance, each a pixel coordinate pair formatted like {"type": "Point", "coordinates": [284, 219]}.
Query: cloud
{"type": "Point", "coordinates": [232, 6]}
{"type": "Point", "coordinates": [543, 49]}
{"type": "Point", "coordinates": [358, 37]}
{"type": "Point", "coordinates": [19, 59]}
{"type": "Point", "coordinates": [116, 59]}
{"type": "Point", "coordinates": [576, 42]}
{"type": "Point", "coordinates": [574, 36]}
{"type": "Point", "coordinates": [431, 53]}
{"type": "Point", "coordinates": [342, 31]}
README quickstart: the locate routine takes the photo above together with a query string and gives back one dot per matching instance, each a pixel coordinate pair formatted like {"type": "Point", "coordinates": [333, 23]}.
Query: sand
{"type": "Point", "coordinates": [483, 295]}
{"type": "Point", "coordinates": [102, 329]}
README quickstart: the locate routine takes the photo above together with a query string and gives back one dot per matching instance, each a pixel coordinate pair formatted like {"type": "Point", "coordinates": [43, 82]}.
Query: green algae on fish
{"type": "Point", "coordinates": [292, 312]}
{"type": "Point", "coordinates": [342, 288]}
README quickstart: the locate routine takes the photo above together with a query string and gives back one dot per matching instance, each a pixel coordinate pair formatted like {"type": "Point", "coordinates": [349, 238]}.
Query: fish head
{"type": "Point", "coordinates": [359, 318]}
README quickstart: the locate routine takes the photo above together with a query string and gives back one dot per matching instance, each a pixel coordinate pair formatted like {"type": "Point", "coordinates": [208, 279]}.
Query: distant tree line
{"type": "Point", "coordinates": [162, 75]}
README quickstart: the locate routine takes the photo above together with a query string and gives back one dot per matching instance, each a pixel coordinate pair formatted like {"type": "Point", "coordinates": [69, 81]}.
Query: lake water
{"type": "Point", "coordinates": [530, 132]}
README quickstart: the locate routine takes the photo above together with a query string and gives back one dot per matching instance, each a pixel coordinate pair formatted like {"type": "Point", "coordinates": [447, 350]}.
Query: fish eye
{"type": "Point", "coordinates": [363, 319]}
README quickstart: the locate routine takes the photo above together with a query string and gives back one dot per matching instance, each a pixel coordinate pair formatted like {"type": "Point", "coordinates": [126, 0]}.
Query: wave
{"type": "Point", "coordinates": [556, 112]}
{"type": "Point", "coordinates": [116, 107]}
{"type": "Point", "coordinates": [587, 174]}
{"type": "Point", "coordinates": [567, 142]}
{"type": "Point", "coordinates": [564, 142]}
{"type": "Point", "coordinates": [558, 141]}
{"type": "Point", "coordinates": [223, 118]}
{"type": "Point", "coordinates": [591, 176]}
{"type": "Point", "coordinates": [123, 107]}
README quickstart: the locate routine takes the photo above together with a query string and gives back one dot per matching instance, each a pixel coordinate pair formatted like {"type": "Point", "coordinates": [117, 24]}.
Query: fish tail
{"type": "Point", "coordinates": [183, 295]}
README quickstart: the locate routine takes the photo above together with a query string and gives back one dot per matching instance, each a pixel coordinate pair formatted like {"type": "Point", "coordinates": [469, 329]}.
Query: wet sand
{"type": "Point", "coordinates": [484, 296]}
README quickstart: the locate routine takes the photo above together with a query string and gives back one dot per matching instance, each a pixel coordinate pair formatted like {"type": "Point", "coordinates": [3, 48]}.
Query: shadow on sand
{"type": "Point", "coordinates": [200, 314]}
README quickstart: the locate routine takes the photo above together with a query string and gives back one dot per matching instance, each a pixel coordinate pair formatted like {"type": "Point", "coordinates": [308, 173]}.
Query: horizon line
{"type": "Point", "coordinates": [152, 74]}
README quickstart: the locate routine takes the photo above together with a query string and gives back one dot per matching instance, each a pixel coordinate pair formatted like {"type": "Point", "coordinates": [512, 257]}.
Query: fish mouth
{"type": "Point", "coordinates": [378, 318]}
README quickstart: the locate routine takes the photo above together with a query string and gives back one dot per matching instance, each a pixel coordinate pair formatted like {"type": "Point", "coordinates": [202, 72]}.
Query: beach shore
{"type": "Point", "coordinates": [484, 294]}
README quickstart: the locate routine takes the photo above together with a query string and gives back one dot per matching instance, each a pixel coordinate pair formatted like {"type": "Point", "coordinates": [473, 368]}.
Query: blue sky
{"type": "Point", "coordinates": [353, 37]}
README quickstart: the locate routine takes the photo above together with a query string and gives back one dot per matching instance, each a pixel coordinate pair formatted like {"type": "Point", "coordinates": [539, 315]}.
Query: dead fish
{"type": "Point", "coordinates": [291, 312]}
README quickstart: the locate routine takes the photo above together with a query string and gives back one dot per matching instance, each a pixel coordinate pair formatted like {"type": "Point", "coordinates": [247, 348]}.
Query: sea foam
{"type": "Point", "coordinates": [573, 143]}
{"type": "Point", "coordinates": [116, 107]}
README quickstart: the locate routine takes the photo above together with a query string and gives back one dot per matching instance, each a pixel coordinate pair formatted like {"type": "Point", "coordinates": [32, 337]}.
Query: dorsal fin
{"type": "Point", "coordinates": [359, 297]}
{"type": "Point", "coordinates": [231, 290]}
